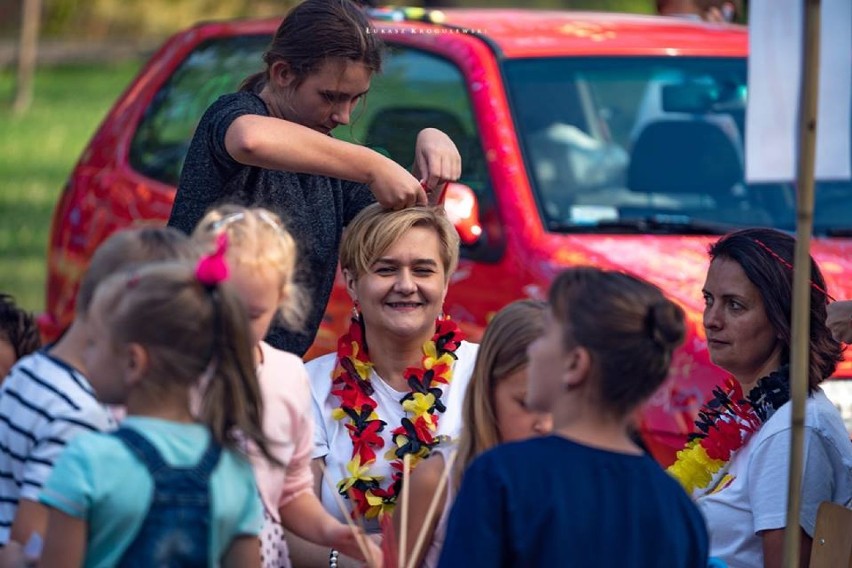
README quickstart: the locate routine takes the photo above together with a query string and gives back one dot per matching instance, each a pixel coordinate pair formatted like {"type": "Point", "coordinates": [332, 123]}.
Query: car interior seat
{"type": "Point", "coordinates": [680, 156]}
{"type": "Point", "coordinates": [696, 160]}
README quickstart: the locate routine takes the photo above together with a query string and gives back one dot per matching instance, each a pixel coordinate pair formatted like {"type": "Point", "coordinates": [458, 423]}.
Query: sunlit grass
{"type": "Point", "coordinates": [37, 151]}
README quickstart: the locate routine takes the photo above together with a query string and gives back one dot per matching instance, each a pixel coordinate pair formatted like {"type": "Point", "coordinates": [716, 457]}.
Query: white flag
{"type": "Point", "coordinates": [775, 71]}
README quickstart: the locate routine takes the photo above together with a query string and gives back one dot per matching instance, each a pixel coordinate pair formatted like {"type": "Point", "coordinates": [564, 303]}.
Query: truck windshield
{"type": "Point", "coordinates": [649, 144]}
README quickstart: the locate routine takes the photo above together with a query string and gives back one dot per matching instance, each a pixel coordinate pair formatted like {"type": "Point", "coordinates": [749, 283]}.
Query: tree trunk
{"type": "Point", "coordinates": [27, 53]}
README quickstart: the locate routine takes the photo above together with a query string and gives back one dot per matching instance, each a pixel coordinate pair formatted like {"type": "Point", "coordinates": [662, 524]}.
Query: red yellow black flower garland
{"type": "Point", "coordinates": [725, 424]}
{"type": "Point", "coordinates": [416, 434]}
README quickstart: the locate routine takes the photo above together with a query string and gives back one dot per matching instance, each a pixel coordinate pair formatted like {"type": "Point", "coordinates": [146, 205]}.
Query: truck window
{"type": "Point", "coordinates": [214, 68]}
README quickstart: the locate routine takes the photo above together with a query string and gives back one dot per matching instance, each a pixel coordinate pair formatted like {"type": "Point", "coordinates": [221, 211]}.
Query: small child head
{"type": "Point", "coordinates": [157, 330]}
{"type": "Point", "coordinates": [262, 256]}
{"type": "Point", "coordinates": [609, 335]}
{"type": "Point", "coordinates": [494, 406]}
{"type": "Point", "coordinates": [18, 334]}
{"type": "Point", "coordinates": [128, 247]}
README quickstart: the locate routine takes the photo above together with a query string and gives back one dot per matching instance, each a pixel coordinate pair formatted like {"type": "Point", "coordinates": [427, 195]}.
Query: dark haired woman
{"type": "Point", "coordinates": [586, 495]}
{"type": "Point", "coordinates": [737, 464]}
{"type": "Point", "coordinates": [269, 145]}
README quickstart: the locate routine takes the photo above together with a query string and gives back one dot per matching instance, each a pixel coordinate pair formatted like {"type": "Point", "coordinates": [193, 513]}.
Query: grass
{"type": "Point", "coordinates": [37, 152]}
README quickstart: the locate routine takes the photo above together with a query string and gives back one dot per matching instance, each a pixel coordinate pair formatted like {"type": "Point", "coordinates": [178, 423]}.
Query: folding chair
{"type": "Point", "coordinates": [832, 546]}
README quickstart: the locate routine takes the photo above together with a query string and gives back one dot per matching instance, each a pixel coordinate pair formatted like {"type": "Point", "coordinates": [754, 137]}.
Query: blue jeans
{"type": "Point", "coordinates": [176, 530]}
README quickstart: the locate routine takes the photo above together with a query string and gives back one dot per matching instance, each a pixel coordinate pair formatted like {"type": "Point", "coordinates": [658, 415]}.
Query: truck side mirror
{"type": "Point", "coordinates": [462, 209]}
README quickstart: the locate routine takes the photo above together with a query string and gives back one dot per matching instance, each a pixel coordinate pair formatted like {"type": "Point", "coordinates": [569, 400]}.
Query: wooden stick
{"type": "Point", "coordinates": [430, 512]}
{"type": "Point", "coordinates": [800, 322]}
{"type": "Point", "coordinates": [365, 550]}
{"type": "Point", "coordinates": [403, 509]}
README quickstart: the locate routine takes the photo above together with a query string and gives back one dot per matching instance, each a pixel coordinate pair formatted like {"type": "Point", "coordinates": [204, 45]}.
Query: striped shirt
{"type": "Point", "coordinates": [44, 403]}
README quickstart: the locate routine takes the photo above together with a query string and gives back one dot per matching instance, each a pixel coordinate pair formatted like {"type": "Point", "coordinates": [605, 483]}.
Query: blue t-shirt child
{"type": "Point", "coordinates": [553, 502]}
{"type": "Point", "coordinates": [98, 479]}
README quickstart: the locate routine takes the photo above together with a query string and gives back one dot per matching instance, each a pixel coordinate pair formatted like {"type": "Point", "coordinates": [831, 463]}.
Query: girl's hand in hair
{"type": "Point", "coordinates": [436, 161]}
{"type": "Point", "coordinates": [839, 320]}
{"type": "Point", "coordinates": [393, 186]}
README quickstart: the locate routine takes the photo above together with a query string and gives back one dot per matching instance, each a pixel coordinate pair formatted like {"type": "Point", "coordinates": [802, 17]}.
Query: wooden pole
{"type": "Point", "coordinates": [799, 349]}
{"type": "Point", "coordinates": [27, 55]}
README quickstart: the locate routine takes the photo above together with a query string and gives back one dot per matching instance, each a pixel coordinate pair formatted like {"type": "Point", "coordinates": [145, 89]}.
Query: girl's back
{"type": "Point", "coordinates": [100, 478]}
{"type": "Point", "coordinates": [557, 502]}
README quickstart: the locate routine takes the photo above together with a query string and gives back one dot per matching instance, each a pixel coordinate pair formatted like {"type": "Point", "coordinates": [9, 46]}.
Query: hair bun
{"type": "Point", "coordinates": [664, 323]}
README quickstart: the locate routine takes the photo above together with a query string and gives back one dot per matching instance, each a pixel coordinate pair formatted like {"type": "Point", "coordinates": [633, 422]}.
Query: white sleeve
{"type": "Point", "coordinates": [320, 379]}
{"type": "Point", "coordinates": [769, 468]}
{"type": "Point", "coordinates": [321, 442]}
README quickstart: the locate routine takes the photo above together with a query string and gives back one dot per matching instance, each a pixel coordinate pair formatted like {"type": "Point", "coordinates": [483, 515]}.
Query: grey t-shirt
{"type": "Point", "coordinates": [313, 208]}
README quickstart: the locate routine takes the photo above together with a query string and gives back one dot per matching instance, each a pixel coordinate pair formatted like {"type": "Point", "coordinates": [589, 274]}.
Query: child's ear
{"type": "Point", "coordinates": [281, 74]}
{"type": "Point", "coordinates": [138, 363]}
{"type": "Point", "coordinates": [576, 365]}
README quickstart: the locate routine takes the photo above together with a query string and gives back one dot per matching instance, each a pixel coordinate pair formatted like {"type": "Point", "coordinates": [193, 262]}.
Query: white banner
{"type": "Point", "coordinates": [775, 71]}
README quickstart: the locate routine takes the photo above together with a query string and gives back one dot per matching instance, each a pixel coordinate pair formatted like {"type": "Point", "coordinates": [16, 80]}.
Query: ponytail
{"type": "Point", "coordinates": [254, 83]}
{"type": "Point", "coordinates": [196, 329]}
{"type": "Point", "coordinates": [232, 400]}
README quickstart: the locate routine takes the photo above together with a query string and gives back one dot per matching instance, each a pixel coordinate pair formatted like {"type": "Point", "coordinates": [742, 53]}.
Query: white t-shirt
{"type": "Point", "coordinates": [331, 438]}
{"type": "Point", "coordinates": [752, 496]}
{"type": "Point", "coordinates": [44, 404]}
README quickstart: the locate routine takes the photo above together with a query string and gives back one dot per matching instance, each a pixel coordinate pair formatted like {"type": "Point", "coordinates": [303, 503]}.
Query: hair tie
{"type": "Point", "coordinates": [651, 325]}
{"type": "Point", "coordinates": [789, 266]}
{"type": "Point", "coordinates": [212, 269]}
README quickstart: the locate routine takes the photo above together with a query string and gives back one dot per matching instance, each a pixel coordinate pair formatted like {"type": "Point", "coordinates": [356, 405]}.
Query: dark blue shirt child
{"type": "Point", "coordinates": [553, 502]}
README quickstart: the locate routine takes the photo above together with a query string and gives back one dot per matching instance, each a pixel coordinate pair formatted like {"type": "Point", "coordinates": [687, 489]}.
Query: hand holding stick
{"type": "Point", "coordinates": [363, 546]}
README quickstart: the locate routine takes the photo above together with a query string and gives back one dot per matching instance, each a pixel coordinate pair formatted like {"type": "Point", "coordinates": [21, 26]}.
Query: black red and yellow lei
{"type": "Point", "coordinates": [725, 424]}
{"type": "Point", "coordinates": [416, 435]}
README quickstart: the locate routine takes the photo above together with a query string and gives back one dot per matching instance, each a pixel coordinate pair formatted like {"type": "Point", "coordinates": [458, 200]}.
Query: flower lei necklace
{"type": "Point", "coordinates": [725, 424]}
{"type": "Point", "coordinates": [416, 433]}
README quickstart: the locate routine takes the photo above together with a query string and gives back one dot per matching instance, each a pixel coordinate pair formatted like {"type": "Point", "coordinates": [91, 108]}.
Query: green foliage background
{"type": "Point", "coordinates": [100, 19]}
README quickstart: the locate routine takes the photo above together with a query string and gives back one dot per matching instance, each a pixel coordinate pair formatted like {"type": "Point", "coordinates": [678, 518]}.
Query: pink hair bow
{"type": "Point", "coordinates": [212, 269]}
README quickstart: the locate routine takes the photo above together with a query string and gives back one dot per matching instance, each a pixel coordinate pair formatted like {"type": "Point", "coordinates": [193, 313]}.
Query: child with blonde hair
{"type": "Point", "coordinates": [494, 412]}
{"type": "Point", "coordinates": [262, 256]}
{"type": "Point", "coordinates": [166, 489]}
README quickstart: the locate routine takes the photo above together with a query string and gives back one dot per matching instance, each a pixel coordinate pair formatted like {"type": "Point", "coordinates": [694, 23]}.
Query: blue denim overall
{"type": "Point", "coordinates": [176, 530]}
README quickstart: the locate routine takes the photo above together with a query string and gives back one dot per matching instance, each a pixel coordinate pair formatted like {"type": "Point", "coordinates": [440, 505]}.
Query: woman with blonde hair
{"type": "Point", "coordinates": [262, 258]}
{"type": "Point", "coordinates": [494, 412]}
{"type": "Point", "coordinates": [396, 384]}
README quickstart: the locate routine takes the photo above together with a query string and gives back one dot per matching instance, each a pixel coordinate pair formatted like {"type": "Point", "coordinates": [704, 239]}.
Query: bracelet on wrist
{"type": "Point", "coordinates": [332, 558]}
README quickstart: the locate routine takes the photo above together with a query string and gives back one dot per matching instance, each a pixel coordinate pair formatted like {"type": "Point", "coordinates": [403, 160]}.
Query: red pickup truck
{"type": "Point", "coordinates": [605, 139]}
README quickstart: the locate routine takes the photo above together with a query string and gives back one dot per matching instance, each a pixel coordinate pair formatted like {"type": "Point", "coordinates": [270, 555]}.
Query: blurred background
{"type": "Point", "coordinates": [87, 53]}
{"type": "Point", "coordinates": [144, 19]}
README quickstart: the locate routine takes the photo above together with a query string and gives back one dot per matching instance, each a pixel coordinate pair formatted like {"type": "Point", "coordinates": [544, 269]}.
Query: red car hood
{"type": "Point", "coordinates": [678, 265]}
